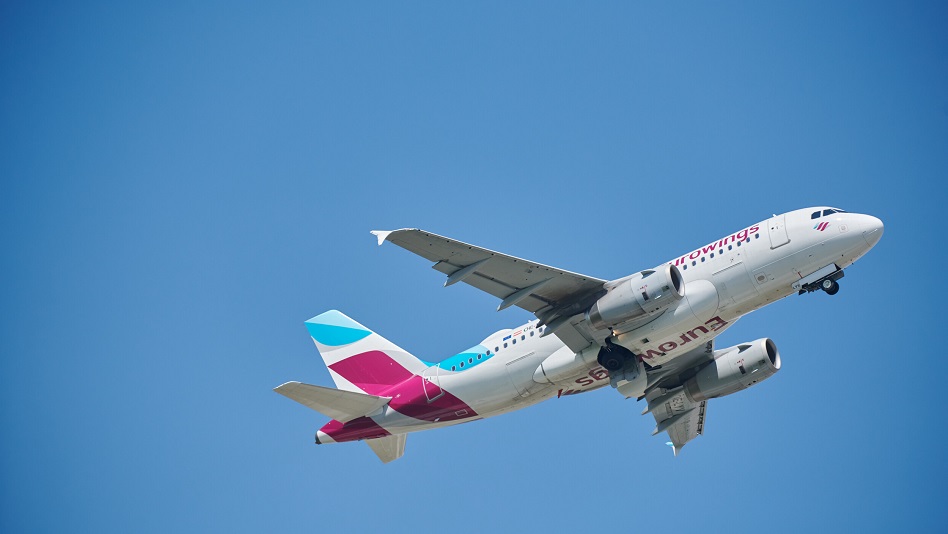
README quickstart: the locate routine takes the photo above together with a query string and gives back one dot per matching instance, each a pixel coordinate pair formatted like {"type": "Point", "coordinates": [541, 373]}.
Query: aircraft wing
{"type": "Point", "coordinates": [334, 403]}
{"type": "Point", "coordinates": [676, 414]}
{"type": "Point", "coordinates": [555, 296]}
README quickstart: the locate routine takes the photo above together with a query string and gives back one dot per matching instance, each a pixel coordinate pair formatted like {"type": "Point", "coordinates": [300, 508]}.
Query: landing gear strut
{"type": "Point", "coordinates": [822, 279]}
{"type": "Point", "coordinates": [612, 356]}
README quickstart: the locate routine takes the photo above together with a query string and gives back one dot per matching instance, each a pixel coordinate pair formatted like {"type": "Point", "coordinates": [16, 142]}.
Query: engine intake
{"type": "Point", "coordinates": [641, 295]}
{"type": "Point", "coordinates": [735, 368]}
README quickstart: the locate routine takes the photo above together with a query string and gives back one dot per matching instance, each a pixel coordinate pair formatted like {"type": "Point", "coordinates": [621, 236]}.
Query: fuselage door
{"type": "Point", "coordinates": [778, 231]}
{"type": "Point", "coordinates": [432, 383]}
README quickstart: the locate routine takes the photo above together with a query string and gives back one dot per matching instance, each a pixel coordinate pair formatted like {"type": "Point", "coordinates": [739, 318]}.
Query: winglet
{"type": "Point", "coordinates": [382, 235]}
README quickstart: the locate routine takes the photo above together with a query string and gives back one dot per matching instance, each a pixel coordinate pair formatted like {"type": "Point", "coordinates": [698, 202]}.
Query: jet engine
{"type": "Point", "coordinates": [733, 369]}
{"type": "Point", "coordinates": [641, 295]}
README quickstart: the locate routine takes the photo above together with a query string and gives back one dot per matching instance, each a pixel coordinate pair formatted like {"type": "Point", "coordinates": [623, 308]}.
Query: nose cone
{"type": "Point", "coordinates": [872, 229]}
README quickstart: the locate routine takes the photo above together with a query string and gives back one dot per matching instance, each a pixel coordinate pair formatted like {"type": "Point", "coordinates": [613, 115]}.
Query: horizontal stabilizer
{"type": "Point", "coordinates": [334, 403]}
{"type": "Point", "coordinates": [388, 448]}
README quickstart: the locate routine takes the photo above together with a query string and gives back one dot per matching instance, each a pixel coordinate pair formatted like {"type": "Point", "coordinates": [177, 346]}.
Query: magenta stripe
{"type": "Point", "coordinates": [361, 428]}
{"type": "Point", "coordinates": [372, 372]}
{"type": "Point", "coordinates": [377, 373]}
{"type": "Point", "coordinates": [409, 399]}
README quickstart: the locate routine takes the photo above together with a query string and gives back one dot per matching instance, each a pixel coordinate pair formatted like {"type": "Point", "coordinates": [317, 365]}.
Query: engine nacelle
{"type": "Point", "coordinates": [735, 368]}
{"type": "Point", "coordinates": [641, 295]}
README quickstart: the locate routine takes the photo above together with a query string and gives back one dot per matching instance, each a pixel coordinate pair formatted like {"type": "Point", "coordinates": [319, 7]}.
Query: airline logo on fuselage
{"type": "Point", "coordinates": [715, 324]}
{"type": "Point", "coordinates": [597, 377]}
{"type": "Point", "coordinates": [718, 245]}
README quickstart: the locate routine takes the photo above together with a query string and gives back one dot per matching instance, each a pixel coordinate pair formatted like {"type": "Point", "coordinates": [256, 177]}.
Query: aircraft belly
{"type": "Point", "coordinates": [520, 372]}
{"type": "Point", "coordinates": [590, 379]}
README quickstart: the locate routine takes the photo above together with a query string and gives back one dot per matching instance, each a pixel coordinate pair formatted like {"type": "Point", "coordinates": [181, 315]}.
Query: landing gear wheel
{"type": "Point", "coordinates": [830, 286]}
{"type": "Point", "coordinates": [612, 360]}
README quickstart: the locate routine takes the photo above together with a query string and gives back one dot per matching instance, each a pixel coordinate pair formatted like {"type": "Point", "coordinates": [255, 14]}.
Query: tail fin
{"type": "Point", "coordinates": [388, 448]}
{"type": "Point", "coordinates": [359, 359]}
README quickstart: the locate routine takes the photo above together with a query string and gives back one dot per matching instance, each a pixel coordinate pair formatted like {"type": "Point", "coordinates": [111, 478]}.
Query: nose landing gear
{"type": "Point", "coordinates": [825, 279]}
{"type": "Point", "coordinates": [829, 286]}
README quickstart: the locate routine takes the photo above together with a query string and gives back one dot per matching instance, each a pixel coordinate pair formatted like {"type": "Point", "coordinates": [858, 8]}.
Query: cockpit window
{"type": "Point", "coordinates": [829, 211]}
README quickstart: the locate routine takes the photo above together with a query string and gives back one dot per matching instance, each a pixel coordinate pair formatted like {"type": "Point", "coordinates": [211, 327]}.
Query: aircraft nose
{"type": "Point", "coordinates": [872, 229]}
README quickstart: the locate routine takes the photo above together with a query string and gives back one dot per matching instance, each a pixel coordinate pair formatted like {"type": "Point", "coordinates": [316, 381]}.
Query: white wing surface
{"type": "Point", "coordinates": [334, 403]}
{"type": "Point", "coordinates": [676, 414]}
{"type": "Point", "coordinates": [555, 296]}
{"type": "Point", "coordinates": [389, 448]}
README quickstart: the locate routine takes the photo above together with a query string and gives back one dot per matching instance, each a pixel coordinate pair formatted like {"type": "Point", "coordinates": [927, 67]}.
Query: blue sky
{"type": "Point", "coordinates": [184, 184]}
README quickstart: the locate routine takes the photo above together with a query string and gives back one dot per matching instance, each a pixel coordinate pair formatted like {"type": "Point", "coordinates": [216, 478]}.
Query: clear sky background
{"type": "Point", "coordinates": [184, 184]}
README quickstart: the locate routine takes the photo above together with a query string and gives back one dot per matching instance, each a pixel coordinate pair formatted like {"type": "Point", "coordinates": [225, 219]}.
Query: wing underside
{"type": "Point", "coordinates": [558, 298]}
{"type": "Point", "coordinates": [555, 296]}
{"type": "Point", "coordinates": [677, 415]}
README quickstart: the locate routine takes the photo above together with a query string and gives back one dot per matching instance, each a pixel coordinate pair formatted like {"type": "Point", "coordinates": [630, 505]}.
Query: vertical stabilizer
{"type": "Point", "coordinates": [388, 448]}
{"type": "Point", "coordinates": [359, 359]}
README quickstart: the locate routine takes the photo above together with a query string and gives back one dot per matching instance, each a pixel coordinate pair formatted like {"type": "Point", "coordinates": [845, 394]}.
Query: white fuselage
{"type": "Point", "coordinates": [748, 269]}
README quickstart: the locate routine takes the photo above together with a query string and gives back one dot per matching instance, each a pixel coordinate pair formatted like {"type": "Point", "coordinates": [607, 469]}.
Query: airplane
{"type": "Point", "coordinates": [649, 335]}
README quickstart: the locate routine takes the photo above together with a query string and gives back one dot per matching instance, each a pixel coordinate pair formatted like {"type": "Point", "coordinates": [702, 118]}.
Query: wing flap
{"type": "Point", "coordinates": [677, 415]}
{"type": "Point", "coordinates": [334, 403]}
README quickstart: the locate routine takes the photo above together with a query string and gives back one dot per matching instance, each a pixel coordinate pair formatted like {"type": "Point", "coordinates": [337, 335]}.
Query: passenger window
{"type": "Point", "coordinates": [686, 267]}
{"type": "Point", "coordinates": [452, 367]}
{"type": "Point", "coordinates": [738, 243]}
{"type": "Point", "coordinates": [531, 333]}
{"type": "Point", "coordinates": [470, 360]}
{"type": "Point", "coordinates": [462, 364]}
{"type": "Point", "coordinates": [505, 345]}
{"type": "Point", "coordinates": [729, 247]}
{"type": "Point", "coordinates": [702, 259]}
{"type": "Point", "coordinates": [815, 215]}
{"type": "Point", "coordinates": [496, 349]}
{"type": "Point", "coordinates": [488, 352]}
{"type": "Point", "coordinates": [712, 254]}
{"type": "Point", "coordinates": [523, 338]}
{"type": "Point", "coordinates": [756, 236]}
{"type": "Point", "coordinates": [694, 263]}
{"type": "Point", "coordinates": [514, 341]}
{"type": "Point", "coordinates": [479, 356]}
